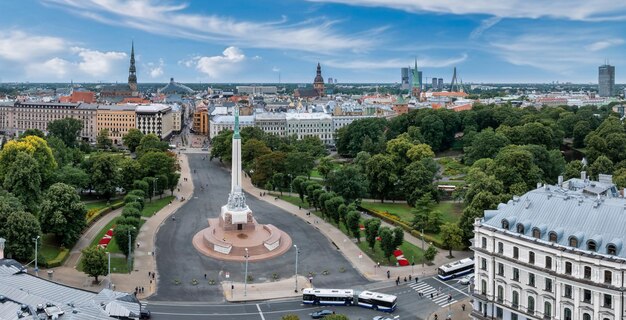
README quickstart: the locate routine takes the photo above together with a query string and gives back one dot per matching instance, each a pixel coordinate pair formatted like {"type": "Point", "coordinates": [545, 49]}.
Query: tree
{"type": "Point", "coordinates": [380, 173]}
{"type": "Point", "coordinates": [417, 181]}
{"type": "Point", "coordinates": [298, 184]}
{"type": "Point", "coordinates": [451, 236]}
{"type": "Point", "coordinates": [423, 207]}
{"type": "Point", "coordinates": [430, 253]}
{"type": "Point", "coordinates": [325, 166]}
{"type": "Point", "coordinates": [485, 144]}
{"type": "Point", "coordinates": [321, 199]}
{"type": "Point", "coordinates": [104, 177]}
{"type": "Point", "coordinates": [34, 146]}
{"type": "Point", "coordinates": [332, 206]}
{"type": "Point", "coordinates": [141, 185]}
{"type": "Point", "coordinates": [150, 142]}
{"type": "Point", "coordinates": [573, 169]}
{"type": "Point", "coordinates": [387, 243]}
{"type": "Point", "coordinates": [129, 171]}
{"type": "Point", "coordinates": [581, 130]}
{"type": "Point", "coordinates": [103, 141]}
{"type": "Point", "coordinates": [419, 152]}
{"type": "Point", "coordinates": [348, 182]}
{"type": "Point", "coordinates": [361, 161]}
{"type": "Point", "coordinates": [120, 234]}
{"type": "Point", "coordinates": [398, 236]}
{"type": "Point", "coordinates": [602, 165]}
{"type": "Point", "coordinates": [354, 137]}
{"type": "Point", "coordinates": [132, 139]}
{"type": "Point", "coordinates": [68, 130]}
{"type": "Point", "coordinates": [266, 166]}
{"type": "Point", "coordinates": [33, 132]}
{"type": "Point", "coordinates": [63, 213]}
{"type": "Point", "coordinates": [432, 128]}
{"type": "Point", "coordinates": [221, 146]}
{"type": "Point", "coordinates": [154, 163]}
{"type": "Point", "coordinates": [299, 163]}
{"type": "Point", "coordinates": [252, 149]}
{"type": "Point", "coordinates": [94, 262]}
{"type": "Point", "coordinates": [20, 230]}
{"type": "Point", "coordinates": [352, 223]}
{"type": "Point", "coordinates": [371, 231]}
{"type": "Point", "coordinates": [24, 180]}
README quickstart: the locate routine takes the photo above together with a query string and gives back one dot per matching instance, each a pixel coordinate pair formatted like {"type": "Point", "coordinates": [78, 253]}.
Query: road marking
{"type": "Point", "coordinates": [463, 293]}
{"type": "Point", "coordinates": [260, 312]}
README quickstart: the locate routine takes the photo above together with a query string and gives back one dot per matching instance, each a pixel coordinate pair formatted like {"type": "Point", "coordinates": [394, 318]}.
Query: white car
{"type": "Point", "coordinates": [467, 279]}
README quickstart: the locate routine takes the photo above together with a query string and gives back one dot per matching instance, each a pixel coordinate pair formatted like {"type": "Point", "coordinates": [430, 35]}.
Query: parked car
{"type": "Point", "coordinates": [321, 314]}
{"type": "Point", "coordinates": [144, 314]}
{"type": "Point", "coordinates": [467, 279]}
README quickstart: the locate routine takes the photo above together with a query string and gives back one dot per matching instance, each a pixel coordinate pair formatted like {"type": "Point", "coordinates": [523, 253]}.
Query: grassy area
{"type": "Point", "coordinates": [293, 200]}
{"type": "Point", "coordinates": [96, 205]}
{"type": "Point", "coordinates": [112, 247]}
{"type": "Point", "coordinates": [317, 174]}
{"type": "Point", "coordinates": [452, 166]}
{"type": "Point", "coordinates": [157, 204]}
{"type": "Point", "coordinates": [119, 265]}
{"type": "Point", "coordinates": [50, 247]}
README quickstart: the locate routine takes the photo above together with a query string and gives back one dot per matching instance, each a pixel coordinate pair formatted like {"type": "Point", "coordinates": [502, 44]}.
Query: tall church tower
{"type": "Point", "coordinates": [132, 71]}
{"type": "Point", "coordinates": [318, 83]}
{"type": "Point", "coordinates": [416, 86]}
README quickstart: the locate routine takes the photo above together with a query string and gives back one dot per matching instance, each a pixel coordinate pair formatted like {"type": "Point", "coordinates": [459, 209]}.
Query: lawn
{"type": "Point", "coordinates": [157, 204]}
{"type": "Point", "coordinates": [50, 247]}
{"type": "Point", "coordinates": [317, 174]}
{"type": "Point", "coordinates": [291, 199]}
{"type": "Point", "coordinates": [452, 166]}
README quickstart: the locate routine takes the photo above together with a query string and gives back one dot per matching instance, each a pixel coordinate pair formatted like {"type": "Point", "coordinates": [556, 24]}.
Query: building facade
{"type": "Point", "coordinates": [15, 118]}
{"type": "Point", "coordinates": [554, 253]}
{"type": "Point", "coordinates": [118, 119]}
{"type": "Point", "coordinates": [273, 123]}
{"type": "Point", "coordinates": [606, 80]}
{"type": "Point", "coordinates": [201, 121]}
{"type": "Point", "coordinates": [219, 123]}
{"type": "Point", "coordinates": [257, 90]}
{"type": "Point", "coordinates": [155, 118]}
{"type": "Point", "coordinates": [310, 124]}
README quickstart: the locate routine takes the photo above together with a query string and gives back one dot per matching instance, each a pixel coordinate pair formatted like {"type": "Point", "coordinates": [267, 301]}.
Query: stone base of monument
{"type": "Point", "coordinates": [228, 242]}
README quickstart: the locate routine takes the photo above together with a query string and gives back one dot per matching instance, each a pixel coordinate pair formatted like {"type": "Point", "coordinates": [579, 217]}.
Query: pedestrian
{"type": "Point", "coordinates": [416, 279]}
{"type": "Point", "coordinates": [436, 317]}
{"type": "Point", "coordinates": [299, 207]}
{"type": "Point", "coordinates": [149, 274]}
{"type": "Point", "coordinates": [404, 279]}
{"type": "Point", "coordinates": [398, 280]}
{"type": "Point", "coordinates": [432, 296]}
{"type": "Point", "coordinates": [141, 289]}
{"type": "Point", "coordinates": [410, 278]}
{"type": "Point", "coordinates": [205, 276]}
{"type": "Point", "coordinates": [388, 274]}
{"type": "Point", "coordinates": [260, 194]}
{"type": "Point", "coordinates": [150, 281]}
{"type": "Point", "coordinates": [463, 307]}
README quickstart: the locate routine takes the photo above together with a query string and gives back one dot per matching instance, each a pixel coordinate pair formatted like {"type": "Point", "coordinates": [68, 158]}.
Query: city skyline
{"type": "Point", "coordinates": [355, 41]}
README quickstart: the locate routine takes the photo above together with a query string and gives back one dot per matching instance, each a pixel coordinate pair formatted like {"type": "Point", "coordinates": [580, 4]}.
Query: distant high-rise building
{"type": "Point", "coordinates": [335, 80]}
{"type": "Point", "coordinates": [440, 84]}
{"type": "Point", "coordinates": [434, 84]}
{"type": "Point", "coordinates": [606, 80]}
{"type": "Point", "coordinates": [404, 78]}
{"type": "Point", "coordinates": [330, 80]}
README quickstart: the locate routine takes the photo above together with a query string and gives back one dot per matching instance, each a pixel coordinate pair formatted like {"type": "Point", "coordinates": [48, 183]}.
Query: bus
{"type": "Point", "coordinates": [455, 269]}
{"type": "Point", "coordinates": [328, 296]}
{"type": "Point", "coordinates": [377, 301]}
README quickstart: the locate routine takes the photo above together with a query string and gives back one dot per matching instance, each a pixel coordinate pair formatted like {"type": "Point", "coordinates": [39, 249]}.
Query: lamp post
{"type": "Point", "coordinates": [109, 268]}
{"type": "Point", "coordinates": [423, 248]}
{"type": "Point", "coordinates": [295, 246]}
{"type": "Point", "coordinates": [36, 245]}
{"type": "Point", "coordinates": [245, 280]}
{"type": "Point", "coordinates": [154, 184]}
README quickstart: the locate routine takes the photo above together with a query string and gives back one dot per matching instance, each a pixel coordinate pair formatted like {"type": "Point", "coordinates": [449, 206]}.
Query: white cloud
{"type": "Point", "coordinates": [97, 63]}
{"type": "Point", "coordinates": [395, 63]}
{"type": "Point", "coordinates": [257, 58]}
{"type": "Point", "coordinates": [603, 44]}
{"type": "Point", "coordinates": [156, 69]}
{"type": "Point", "coordinates": [216, 66]}
{"type": "Point", "coordinates": [597, 10]}
{"type": "Point", "coordinates": [484, 25]}
{"type": "Point", "coordinates": [155, 16]}
{"type": "Point", "coordinates": [20, 46]}
{"type": "Point", "coordinates": [56, 67]}
{"type": "Point", "coordinates": [275, 69]}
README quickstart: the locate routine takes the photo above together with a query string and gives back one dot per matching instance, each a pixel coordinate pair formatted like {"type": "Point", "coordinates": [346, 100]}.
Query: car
{"type": "Point", "coordinates": [467, 279]}
{"type": "Point", "coordinates": [205, 149]}
{"type": "Point", "coordinates": [381, 318]}
{"type": "Point", "coordinates": [321, 313]}
{"type": "Point", "coordinates": [144, 314]}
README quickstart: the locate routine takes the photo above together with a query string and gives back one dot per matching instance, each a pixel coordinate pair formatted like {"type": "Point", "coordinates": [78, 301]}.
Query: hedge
{"type": "Point", "coordinates": [59, 259]}
{"type": "Point", "coordinates": [393, 220]}
{"type": "Point", "coordinates": [100, 213]}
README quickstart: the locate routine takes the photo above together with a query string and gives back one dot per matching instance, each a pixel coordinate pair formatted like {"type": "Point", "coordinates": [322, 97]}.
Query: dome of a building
{"type": "Point", "coordinates": [175, 87]}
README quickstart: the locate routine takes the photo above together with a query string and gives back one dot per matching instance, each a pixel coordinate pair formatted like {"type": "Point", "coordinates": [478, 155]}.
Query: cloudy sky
{"type": "Point", "coordinates": [354, 40]}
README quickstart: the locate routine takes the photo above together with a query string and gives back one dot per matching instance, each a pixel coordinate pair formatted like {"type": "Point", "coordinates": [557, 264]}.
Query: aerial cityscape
{"type": "Point", "coordinates": [312, 159]}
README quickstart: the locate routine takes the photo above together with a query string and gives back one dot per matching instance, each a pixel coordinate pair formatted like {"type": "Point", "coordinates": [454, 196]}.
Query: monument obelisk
{"type": "Point", "coordinates": [236, 229]}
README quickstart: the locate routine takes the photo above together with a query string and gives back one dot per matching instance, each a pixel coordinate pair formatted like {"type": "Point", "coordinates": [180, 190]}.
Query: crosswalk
{"type": "Point", "coordinates": [437, 297]}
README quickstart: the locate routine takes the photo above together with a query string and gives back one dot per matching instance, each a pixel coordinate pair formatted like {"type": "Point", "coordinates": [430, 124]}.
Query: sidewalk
{"type": "Point", "coordinates": [455, 311]}
{"type": "Point", "coordinates": [144, 260]}
{"type": "Point", "coordinates": [363, 263]}
{"type": "Point", "coordinates": [264, 291]}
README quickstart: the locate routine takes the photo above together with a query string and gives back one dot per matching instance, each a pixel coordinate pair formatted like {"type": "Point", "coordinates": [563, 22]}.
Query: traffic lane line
{"type": "Point", "coordinates": [447, 285]}
{"type": "Point", "coordinates": [260, 312]}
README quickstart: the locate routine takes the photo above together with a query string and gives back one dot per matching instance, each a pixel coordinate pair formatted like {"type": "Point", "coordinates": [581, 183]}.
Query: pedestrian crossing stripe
{"type": "Point", "coordinates": [427, 290]}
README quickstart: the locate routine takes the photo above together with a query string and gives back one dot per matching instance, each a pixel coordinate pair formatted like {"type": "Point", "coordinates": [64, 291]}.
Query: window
{"type": "Point", "coordinates": [515, 252]}
{"type": "Point", "coordinates": [548, 285]}
{"type": "Point", "coordinates": [530, 308]}
{"type": "Point", "coordinates": [483, 287]}
{"type": "Point", "coordinates": [536, 233]}
{"type": "Point", "coordinates": [567, 314]}
{"type": "Point", "coordinates": [587, 296]}
{"type": "Point", "coordinates": [499, 313]}
{"type": "Point", "coordinates": [568, 267]}
{"type": "Point", "coordinates": [552, 236]}
{"type": "Point", "coordinates": [586, 316]}
{"type": "Point", "coordinates": [591, 245]}
{"type": "Point", "coordinates": [547, 310]}
{"type": "Point", "coordinates": [515, 274]}
{"type": "Point", "coordinates": [587, 272]}
{"type": "Point", "coordinates": [500, 269]}
{"type": "Point", "coordinates": [573, 242]}
{"type": "Point", "coordinates": [567, 291]}
{"type": "Point", "coordinates": [514, 316]}
{"type": "Point", "coordinates": [548, 263]}
{"type": "Point", "coordinates": [505, 224]}
{"type": "Point", "coordinates": [608, 277]}
{"type": "Point", "coordinates": [608, 300]}
{"type": "Point", "coordinates": [531, 257]}
{"type": "Point", "coordinates": [500, 296]}
{"type": "Point", "coordinates": [520, 228]}
{"type": "Point", "coordinates": [515, 300]}
{"type": "Point", "coordinates": [611, 249]}
{"type": "Point", "coordinates": [484, 243]}
{"type": "Point", "coordinates": [483, 264]}
{"type": "Point", "coordinates": [500, 248]}
{"type": "Point", "coordinates": [531, 279]}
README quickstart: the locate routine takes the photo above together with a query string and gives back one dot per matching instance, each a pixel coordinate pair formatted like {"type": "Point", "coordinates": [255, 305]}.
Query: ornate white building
{"type": "Point", "coordinates": [553, 253]}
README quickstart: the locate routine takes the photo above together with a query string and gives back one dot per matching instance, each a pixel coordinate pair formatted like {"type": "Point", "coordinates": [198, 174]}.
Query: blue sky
{"type": "Point", "coordinates": [354, 40]}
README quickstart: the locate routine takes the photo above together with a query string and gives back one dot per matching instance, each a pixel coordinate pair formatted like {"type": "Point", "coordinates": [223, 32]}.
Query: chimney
{"type": "Point", "coordinates": [2, 241]}
{"type": "Point", "coordinates": [583, 175]}
{"type": "Point", "coordinates": [560, 181]}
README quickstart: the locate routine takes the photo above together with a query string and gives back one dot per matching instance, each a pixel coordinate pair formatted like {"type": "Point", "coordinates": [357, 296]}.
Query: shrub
{"type": "Point", "coordinates": [131, 212]}
{"type": "Point", "coordinates": [138, 192]}
{"type": "Point", "coordinates": [134, 205]}
{"type": "Point", "coordinates": [91, 213]}
{"type": "Point", "coordinates": [133, 198]}
{"type": "Point", "coordinates": [132, 221]}
{"type": "Point", "coordinates": [59, 259]}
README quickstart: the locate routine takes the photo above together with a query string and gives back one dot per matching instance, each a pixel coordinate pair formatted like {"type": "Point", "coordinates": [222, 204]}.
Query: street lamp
{"type": "Point", "coordinates": [36, 245]}
{"type": "Point", "coordinates": [295, 246]}
{"type": "Point", "coordinates": [423, 249]}
{"type": "Point", "coordinates": [154, 184]}
{"type": "Point", "coordinates": [129, 247]}
{"type": "Point", "coordinates": [245, 280]}
{"type": "Point", "coordinates": [109, 268]}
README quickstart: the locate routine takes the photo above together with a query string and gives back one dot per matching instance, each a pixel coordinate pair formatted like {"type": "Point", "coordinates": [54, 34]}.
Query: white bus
{"type": "Point", "coordinates": [377, 301]}
{"type": "Point", "coordinates": [455, 269]}
{"type": "Point", "coordinates": [328, 296]}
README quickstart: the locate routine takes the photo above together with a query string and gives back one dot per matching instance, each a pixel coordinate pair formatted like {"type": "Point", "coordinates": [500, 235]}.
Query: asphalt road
{"type": "Point", "coordinates": [410, 305]}
{"type": "Point", "coordinates": [179, 262]}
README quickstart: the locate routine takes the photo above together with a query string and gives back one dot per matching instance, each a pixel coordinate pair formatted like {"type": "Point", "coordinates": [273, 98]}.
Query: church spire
{"type": "Point", "coordinates": [132, 70]}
